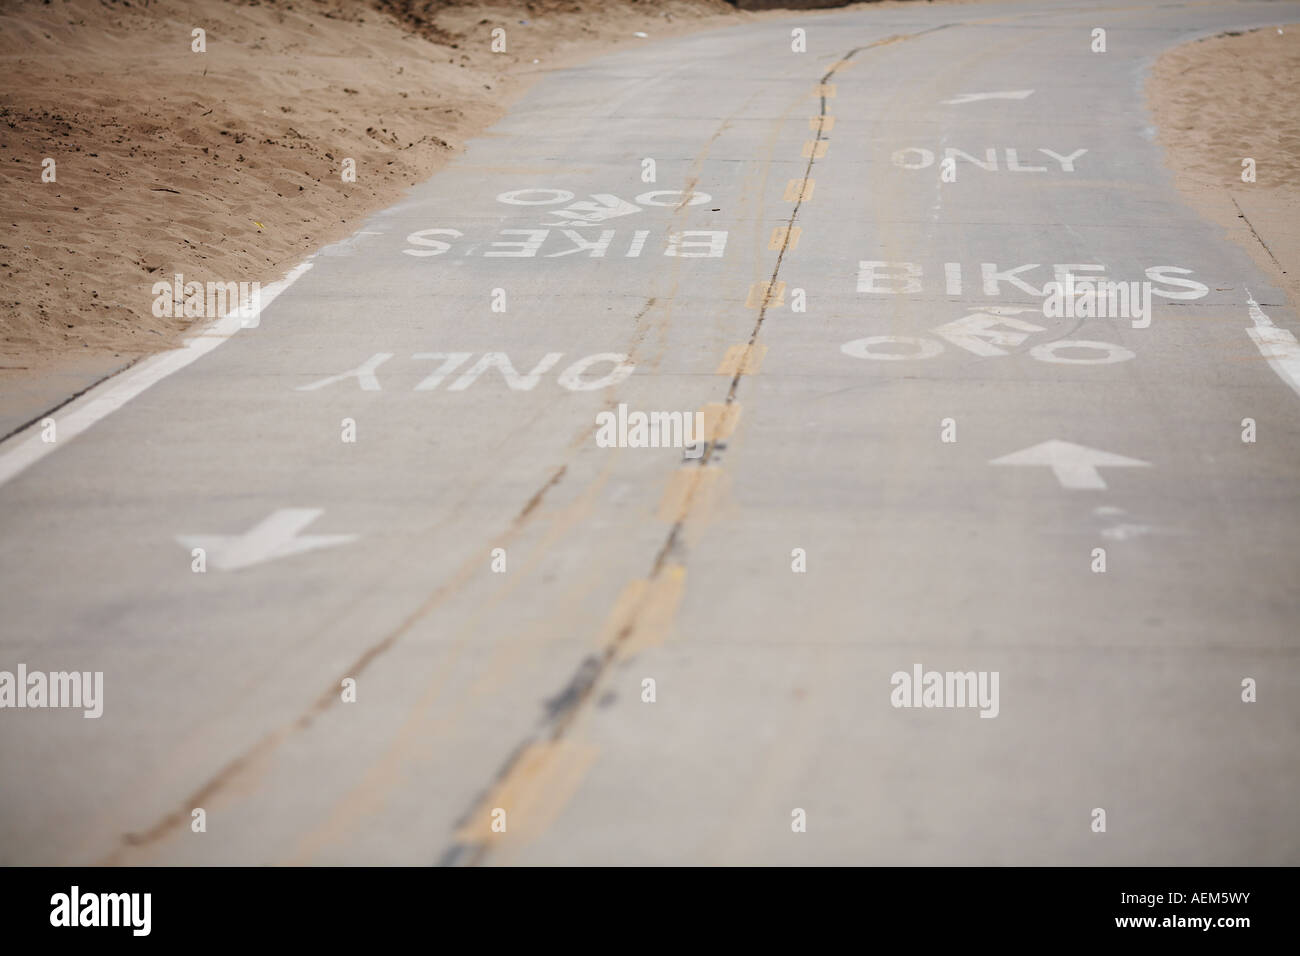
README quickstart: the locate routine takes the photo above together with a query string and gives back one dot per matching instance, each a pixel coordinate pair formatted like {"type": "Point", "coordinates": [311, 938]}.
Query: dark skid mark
{"type": "Point", "coordinates": [575, 692]}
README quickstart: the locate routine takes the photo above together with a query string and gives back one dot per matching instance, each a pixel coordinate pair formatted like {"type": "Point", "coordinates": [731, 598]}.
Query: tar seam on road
{"type": "Point", "coordinates": [1242, 213]}
{"type": "Point", "coordinates": [563, 708]}
{"type": "Point", "coordinates": [71, 398]}
{"type": "Point", "coordinates": [269, 742]}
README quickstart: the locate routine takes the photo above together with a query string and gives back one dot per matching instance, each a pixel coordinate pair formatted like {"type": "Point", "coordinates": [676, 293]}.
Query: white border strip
{"type": "Point", "coordinates": [1277, 345]}
{"type": "Point", "coordinates": [24, 449]}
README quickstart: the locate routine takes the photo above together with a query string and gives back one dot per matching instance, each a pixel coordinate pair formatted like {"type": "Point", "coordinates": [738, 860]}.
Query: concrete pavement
{"type": "Point", "coordinates": [524, 689]}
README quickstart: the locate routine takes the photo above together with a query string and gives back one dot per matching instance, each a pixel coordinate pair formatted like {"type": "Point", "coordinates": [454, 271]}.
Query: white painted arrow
{"type": "Point", "coordinates": [1075, 466]}
{"type": "Point", "coordinates": [1003, 95]}
{"type": "Point", "coordinates": [605, 207]}
{"type": "Point", "coordinates": [274, 537]}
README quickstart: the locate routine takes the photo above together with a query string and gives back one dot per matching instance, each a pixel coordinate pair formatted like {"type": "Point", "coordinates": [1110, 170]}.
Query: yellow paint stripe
{"type": "Point", "coordinates": [780, 235]}
{"type": "Point", "coordinates": [841, 65]}
{"type": "Point", "coordinates": [797, 189]}
{"type": "Point", "coordinates": [815, 149]}
{"type": "Point", "coordinates": [720, 420]}
{"type": "Point", "coordinates": [824, 89]}
{"type": "Point", "coordinates": [533, 791]}
{"type": "Point", "coordinates": [644, 613]}
{"type": "Point", "coordinates": [742, 360]}
{"type": "Point", "coordinates": [821, 124]}
{"type": "Point", "coordinates": [623, 614]}
{"type": "Point", "coordinates": [765, 293]}
{"type": "Point", "coordinates": [691, 489]}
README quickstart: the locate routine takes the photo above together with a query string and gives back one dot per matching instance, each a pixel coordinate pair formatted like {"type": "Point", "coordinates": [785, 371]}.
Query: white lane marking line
{"type": "Point", "coordinates": [275, 536]}
{"type": "Point", "coordinates": [1277, 345]}
{"type": "Point", "coordinates": [1075, 466]}
{"type": "Point", "coordinates": [1125, 531]}
{"type": "Point", "coordinates": [25, 448]}
{"type": "Point", "coordinates": [973, 97]}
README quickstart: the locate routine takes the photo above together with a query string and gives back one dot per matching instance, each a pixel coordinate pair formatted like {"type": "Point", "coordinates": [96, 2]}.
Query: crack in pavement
{"type": "Point", "coordinates": [564, 707]}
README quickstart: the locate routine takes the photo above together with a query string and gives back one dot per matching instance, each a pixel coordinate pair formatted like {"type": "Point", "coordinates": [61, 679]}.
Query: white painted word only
{"type": "Point", "coordinates": [918, 157]}
{"type": "Point", "coordinates": [587, 374]}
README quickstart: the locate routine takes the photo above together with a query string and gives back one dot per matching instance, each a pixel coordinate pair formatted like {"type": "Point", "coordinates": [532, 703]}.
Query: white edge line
{"type": "Point", "coordinates": [1277, 345]}
{"type": "Point", "coordinates": [23, 449]}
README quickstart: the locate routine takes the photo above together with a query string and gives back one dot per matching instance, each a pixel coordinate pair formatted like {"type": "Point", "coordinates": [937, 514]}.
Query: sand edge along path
{"type": "Point", "coordinates": [226, 165]}
{"type": "Point", "coordinates": [1224, 99]}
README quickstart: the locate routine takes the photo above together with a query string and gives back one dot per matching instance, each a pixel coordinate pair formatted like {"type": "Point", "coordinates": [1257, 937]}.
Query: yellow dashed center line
{"type": "Point", "coordinates": [720, 420]}
{"type": "Point", "coordinates": [644, 613]}
{"type": "Point", "coordinates": [742, 360]}
{"type": "Point", "coordinates": [532, 795]}
{"type": "Point", "coordinates": [765, 293]}
{"type": "Point", "coordinates": [784, 237]}
{"type": "Point", "coordinates": [798, 190]}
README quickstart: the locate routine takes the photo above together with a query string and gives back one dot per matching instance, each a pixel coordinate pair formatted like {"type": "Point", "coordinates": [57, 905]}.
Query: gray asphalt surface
{"type": "Point", "coordinates": [523, 690]}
